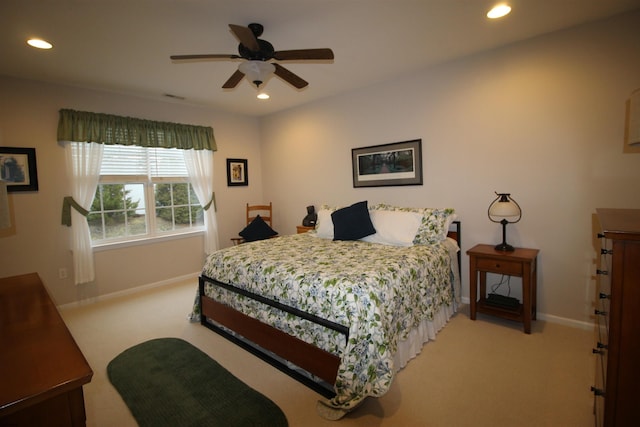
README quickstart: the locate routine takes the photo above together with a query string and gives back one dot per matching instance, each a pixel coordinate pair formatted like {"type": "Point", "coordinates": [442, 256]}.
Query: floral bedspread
{"type": "Point", "coordinates": [379, 292]}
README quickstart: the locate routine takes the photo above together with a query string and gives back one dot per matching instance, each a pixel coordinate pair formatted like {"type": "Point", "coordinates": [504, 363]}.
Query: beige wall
{"type": "Point", "coordinates": [541, 119]}
{"type": "Point", "coordinates": [29, 117]}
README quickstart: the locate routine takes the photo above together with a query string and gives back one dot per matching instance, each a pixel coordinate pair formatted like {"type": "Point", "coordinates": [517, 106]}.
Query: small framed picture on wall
{"type": "Point", "coordinates": [237, 172]}
{"type": "Point", "coordinates": [18, 168]}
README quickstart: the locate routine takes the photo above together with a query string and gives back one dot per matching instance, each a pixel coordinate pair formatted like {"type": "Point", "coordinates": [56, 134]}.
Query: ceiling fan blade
{"type": "Point", "coordinates": [233, 80]}
{"type": "Point", "coordinates": [289, 77]}
{"type": "Point", "coordinates": [205, 56]}
{"type": "Point", "coordinates": [284, 55]}
{"type": "Point", "coordinates": [246, 37]}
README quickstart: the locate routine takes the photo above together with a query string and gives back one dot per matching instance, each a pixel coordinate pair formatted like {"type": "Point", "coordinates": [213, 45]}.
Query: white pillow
{"type": "Point", "coordinates": [324, 224]}
{"type": "Point", "coordinates": [395, 228]}
{"type": "Point", "coordinates": [435, 222]}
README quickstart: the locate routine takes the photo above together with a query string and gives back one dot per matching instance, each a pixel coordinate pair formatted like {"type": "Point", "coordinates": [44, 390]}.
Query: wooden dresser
{"type": "Point", "coordinates": [42, 370]}
{"type": "Point", "coordinates": [617, 310]}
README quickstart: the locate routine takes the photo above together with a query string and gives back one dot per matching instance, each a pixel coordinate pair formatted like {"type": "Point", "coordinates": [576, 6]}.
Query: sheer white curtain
{"type": "Point", "coordinates": [83, 168]}
{"type": "Point", "coordinates": [200, 167]}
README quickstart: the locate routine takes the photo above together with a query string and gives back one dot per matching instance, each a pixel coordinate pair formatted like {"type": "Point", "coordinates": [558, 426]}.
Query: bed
{"type": "Point", "coordinates": [341, 316]}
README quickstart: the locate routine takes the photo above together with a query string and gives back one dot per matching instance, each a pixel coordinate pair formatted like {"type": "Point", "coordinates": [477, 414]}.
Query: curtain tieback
{"type": "Point", "coordinates": [212, 201]}
{"type": "Point", "coordinates": [67, 203]}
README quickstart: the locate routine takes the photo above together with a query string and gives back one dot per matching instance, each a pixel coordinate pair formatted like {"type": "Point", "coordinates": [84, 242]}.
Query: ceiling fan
{"type": "Point", "coordinates": [258, 53]}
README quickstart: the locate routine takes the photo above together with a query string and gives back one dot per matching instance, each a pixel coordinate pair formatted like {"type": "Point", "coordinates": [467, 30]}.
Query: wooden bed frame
{"type": "Point", "coordinates": [274, 346]}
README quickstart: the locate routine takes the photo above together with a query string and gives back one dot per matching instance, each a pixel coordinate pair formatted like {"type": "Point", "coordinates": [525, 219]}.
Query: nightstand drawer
{"type": "Point", "coordinates": [511, 268]}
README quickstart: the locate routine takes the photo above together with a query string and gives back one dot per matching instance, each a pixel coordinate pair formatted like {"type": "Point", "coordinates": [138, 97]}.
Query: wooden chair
{"type": "Point", "coordinates": [265, 212]}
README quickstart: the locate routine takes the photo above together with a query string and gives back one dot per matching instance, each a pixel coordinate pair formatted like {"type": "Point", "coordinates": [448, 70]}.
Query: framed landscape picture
{"type": "Point", "coordinates": [18, 168]}
{"type": "Point", "coordinates": [237, 172]}
{"type": "Point", "coordinates": [398, 163]}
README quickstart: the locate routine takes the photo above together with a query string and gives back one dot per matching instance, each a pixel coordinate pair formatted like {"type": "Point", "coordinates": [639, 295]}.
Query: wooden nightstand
{"type": "Point", "coordinates": [303, 229]}
{"type": "Point", "coordinates": [521, 262]}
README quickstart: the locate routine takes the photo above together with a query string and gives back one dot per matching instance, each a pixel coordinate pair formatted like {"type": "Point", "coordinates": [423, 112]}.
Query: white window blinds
{"type": "Point", "coordinates": [140, 161]}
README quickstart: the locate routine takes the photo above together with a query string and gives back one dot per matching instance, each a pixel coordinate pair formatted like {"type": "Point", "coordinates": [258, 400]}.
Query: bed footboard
{"type": "Point", "coordinates": [271, 344]}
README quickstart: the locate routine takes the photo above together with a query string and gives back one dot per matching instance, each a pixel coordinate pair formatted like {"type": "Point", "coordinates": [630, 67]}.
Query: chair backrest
{"type": "Point", "coordinates": [265, 212]}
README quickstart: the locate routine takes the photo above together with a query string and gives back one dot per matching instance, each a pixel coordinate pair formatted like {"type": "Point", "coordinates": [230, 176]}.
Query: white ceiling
{"type": "Point", "coordinates": [124, 45]}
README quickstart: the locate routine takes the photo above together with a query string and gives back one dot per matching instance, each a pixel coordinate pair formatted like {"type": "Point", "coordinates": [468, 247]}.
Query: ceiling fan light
{"type": "Point", "coordinates": [257, 71]}
{"type": "Point", "coordinates": [263, 95]}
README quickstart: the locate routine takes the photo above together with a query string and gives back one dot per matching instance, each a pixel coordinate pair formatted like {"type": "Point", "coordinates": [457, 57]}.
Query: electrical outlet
{"type": "Point", "coordinates": [62, 273]}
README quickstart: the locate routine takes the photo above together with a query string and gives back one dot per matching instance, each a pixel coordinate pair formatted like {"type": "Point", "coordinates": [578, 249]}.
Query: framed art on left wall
{"type": "Point", "coordinates": [18, 168]}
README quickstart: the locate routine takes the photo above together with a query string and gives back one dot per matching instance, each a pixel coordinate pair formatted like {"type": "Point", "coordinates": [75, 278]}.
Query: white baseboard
{"type": "Point", "coordinates": [555, 319]}
{"type": "Point", "coordinates": [580, 324]}
{"type": "Point", "coordinates": [465, 300]}
{"type": "Point", "coordinates": [130, 291]}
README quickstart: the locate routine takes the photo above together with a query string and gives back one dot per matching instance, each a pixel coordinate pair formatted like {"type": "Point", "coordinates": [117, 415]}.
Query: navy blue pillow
{"type": "Point", "coordinates": [352, 223]}
{"type": "Point", "coordinates": [257, 230]}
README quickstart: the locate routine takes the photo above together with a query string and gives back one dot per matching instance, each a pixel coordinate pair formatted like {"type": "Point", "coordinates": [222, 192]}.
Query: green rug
{"type": "Point", "coordinates": [169, 382]}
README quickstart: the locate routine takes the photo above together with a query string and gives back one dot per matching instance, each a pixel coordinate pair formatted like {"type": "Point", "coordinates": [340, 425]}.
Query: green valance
{"type": "Point", "coordinates": [82, 126]}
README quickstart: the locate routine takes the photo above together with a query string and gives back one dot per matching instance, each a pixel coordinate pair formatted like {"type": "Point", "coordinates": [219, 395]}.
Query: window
{"type": "Point", "coordinates": [143, 193]}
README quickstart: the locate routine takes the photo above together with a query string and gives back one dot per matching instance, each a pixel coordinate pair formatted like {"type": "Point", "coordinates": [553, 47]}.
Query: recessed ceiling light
{"type": "Point", "coordinates": [40, 44]}
{"type": "Point", "coordinates": [263, 95]}
{"type": "Point", "coordinates": [499, 11]}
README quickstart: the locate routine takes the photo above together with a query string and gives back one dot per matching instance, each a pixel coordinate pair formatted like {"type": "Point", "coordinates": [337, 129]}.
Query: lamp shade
{"type": "Point", "coordinates": [633, 130]}
{"type": "Point", "coordinates": [257, 71]}
{"type": "Point", "coordinates": [504, 209]}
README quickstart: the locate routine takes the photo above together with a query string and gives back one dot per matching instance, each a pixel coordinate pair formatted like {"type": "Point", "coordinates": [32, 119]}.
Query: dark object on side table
{"type": "Point", "coordinates": [311, 218]}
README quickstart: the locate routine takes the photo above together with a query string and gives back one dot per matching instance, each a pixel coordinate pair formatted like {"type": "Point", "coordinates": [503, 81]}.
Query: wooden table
{"type": "Point", "coordinates": [303, 229]}
{"type": "Point", "coordinates": [520, 263]}
{"type": "Point", "coordinates": [42, 370]}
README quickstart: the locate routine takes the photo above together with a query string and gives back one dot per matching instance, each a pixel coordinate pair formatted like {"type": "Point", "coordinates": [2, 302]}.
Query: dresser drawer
{"type": "Point", "coordinates": [511, 268]}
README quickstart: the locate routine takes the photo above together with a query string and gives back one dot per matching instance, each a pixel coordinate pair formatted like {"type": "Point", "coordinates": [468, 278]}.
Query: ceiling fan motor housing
{"type": "Point", "coordinates": [264, 54]}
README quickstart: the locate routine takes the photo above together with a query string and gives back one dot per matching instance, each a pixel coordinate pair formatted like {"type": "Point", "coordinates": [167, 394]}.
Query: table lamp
{"type": "Point", "coordinates": [503, 207]}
